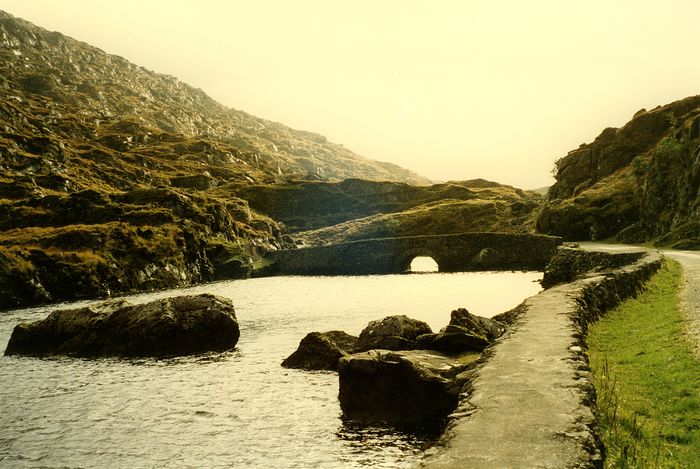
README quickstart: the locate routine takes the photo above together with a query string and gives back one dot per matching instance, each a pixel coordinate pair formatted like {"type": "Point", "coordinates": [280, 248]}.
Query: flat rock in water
{"type": "Point", "coordinates": [181, 325]}
{"type": "Point", "coordinates": [321, 351]}
{"type": "Point", "coordinates": [415, 387]}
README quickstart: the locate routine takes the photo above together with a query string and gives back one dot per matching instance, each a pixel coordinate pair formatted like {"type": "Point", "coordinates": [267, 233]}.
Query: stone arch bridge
{"type": "Point", "coordinates": [451, 252]}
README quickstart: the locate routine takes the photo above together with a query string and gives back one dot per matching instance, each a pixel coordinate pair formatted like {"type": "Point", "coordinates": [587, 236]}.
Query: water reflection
{"type": "Point", "coordinates": [237, 408]}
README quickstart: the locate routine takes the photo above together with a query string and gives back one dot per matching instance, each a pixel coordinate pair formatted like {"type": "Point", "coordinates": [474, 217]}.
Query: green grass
{"type": "Point", "coordinates": [647, 381]}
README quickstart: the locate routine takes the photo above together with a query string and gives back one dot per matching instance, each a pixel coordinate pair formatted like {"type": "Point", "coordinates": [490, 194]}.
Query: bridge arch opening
{"type": "Point", "coordinates": [427, 261]}
{"type": "Point", "coordinates": [423, 264]}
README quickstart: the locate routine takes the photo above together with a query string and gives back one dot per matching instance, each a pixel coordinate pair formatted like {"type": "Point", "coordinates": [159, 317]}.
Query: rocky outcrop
{"type": "Point", "coordinates": [173, 326]}
{"type": "Point", "coordinates": [392, 333]}
{"type": "Point", "coordinates": [465, 332]}
{"type": "Point", "coordinates": [418, 388]}
{"type": "Point", "coordinates": [634, 184]}
{"type": "Point", "coordinates": [321, 351]}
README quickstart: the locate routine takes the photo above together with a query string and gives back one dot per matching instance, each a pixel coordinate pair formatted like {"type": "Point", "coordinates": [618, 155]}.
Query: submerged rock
{"type": "Point", "coordinates": [414, 387]}
{"type": "Point", "coordinates": [392, 333]}
{"type": "Point", "coordinates": [321, 351]}
{"type": "Point", "coordinates": [182, 325]}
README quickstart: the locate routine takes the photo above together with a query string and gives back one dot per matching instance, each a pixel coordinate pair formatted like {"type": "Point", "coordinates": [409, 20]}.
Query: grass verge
{"type": "Point", "coordinates": [647, 380]}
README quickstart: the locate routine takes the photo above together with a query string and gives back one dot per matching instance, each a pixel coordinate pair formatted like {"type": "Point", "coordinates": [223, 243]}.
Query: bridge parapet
{"type": "Point", "coordinates": [452, 253]}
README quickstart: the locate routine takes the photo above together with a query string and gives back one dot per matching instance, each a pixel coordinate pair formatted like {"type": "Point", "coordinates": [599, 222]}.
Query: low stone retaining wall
{"type": "Point", "coordinates": [529, 404]}
{"type": "Point", "coordinates": [568, 263]}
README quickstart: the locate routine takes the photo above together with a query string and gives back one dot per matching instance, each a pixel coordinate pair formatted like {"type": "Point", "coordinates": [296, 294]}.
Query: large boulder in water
{"type": "Point", "coordinates": [321, 351]}
{"type": "Point", "coordinates": [392, 333]}
{"type": "Point", "coordinates": [182, 325]}
{"type": "Point", "coordinates": [414, 387]}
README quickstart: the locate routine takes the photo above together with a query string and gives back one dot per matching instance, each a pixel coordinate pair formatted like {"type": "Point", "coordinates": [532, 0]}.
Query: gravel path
{"type": "Point", "coordinates": [690, 296]}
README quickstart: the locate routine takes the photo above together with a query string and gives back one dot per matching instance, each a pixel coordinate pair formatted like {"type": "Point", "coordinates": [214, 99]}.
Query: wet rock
{"type": "Point", "coordinates": [181, 325]}
{"type": "Point", "coordinates": [392, 333]}
{"type": "Point", "coordinates": [415, 387]}
{"type": "Point", "coordinates": [321, 351]}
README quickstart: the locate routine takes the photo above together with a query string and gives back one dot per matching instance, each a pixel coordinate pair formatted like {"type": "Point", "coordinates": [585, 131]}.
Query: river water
{"type": "Point", "coordinates": [232, 409]}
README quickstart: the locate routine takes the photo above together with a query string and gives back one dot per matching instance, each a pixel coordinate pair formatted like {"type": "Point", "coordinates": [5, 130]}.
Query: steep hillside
{"type": "Point", "coordinates": [354, 209]}
{"type": "Point", "coordinates": [58, 87]}
{"type": "Point", "coordinates": [635, 184]}
{"type": "Point", "coordinates": [107, 171]}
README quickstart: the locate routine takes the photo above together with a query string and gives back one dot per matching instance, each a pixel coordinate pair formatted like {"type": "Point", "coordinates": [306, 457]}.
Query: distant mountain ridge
{"type": "Point", "coordinates": [353, 209]}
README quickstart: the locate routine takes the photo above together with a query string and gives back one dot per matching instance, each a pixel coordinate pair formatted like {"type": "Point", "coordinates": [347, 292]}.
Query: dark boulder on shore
{"type": "Point", "coordinates": [416, 387]}
{"type": "Point", "coordinates": [321, 351]}
{"type": "Point", "coordinates": [392, 333]}
{"type": "Point", "coordinates": [181, 325]}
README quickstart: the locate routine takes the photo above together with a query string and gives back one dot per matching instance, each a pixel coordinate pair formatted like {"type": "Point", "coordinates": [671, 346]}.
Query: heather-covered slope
{"type": "Point", "coordinates": [635, 184]}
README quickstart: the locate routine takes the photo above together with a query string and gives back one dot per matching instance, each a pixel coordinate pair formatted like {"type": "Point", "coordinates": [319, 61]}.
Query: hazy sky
{"type": "Point", "coordinates": [450, 89]}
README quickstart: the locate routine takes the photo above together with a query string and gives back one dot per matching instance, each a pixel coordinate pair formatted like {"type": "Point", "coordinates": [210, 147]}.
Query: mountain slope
{"type": "Point", "coordinates": [639, 183]}
{"type": "Point", "coordinates": [106, 171]}
{"type": "Point", "coordinates": [53, 84]}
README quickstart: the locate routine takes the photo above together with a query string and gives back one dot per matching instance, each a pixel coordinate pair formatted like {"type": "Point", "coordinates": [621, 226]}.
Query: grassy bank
{"type": "Point", "coordinates": [647, 381]}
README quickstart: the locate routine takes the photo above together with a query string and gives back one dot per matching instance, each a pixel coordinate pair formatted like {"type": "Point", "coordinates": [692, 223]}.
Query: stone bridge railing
{"type": "Point", "coordinates": [452, 253]}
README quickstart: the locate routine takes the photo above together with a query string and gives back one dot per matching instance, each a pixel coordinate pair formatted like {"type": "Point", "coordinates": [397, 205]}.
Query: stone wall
{"type": "Point", "coordinates": [568, 263]}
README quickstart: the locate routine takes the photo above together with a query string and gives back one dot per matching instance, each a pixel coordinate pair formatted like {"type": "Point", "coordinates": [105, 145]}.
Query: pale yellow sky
{"type": "Point", "coordinates": [450, 89]}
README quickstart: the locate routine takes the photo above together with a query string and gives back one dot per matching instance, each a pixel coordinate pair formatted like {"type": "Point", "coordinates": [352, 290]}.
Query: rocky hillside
{"type": "Point", "coordinates": [320, 213]}
{"type": "Point", "coordinates": [107, 173]}
{"type": "Point", "coordinates": [640, 183]}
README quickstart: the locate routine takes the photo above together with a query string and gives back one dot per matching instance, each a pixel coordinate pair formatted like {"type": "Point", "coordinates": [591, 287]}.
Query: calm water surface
{"type": "Point", "coordinates": [233, 409]}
